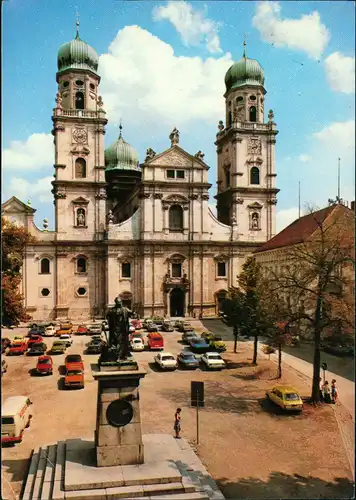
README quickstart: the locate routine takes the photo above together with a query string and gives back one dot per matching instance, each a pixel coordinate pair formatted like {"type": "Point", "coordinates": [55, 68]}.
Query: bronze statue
{"type": "Point", "coordinates": [118, 339]}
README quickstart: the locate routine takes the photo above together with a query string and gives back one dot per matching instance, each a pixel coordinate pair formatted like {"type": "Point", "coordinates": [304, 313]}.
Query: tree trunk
{"type": "Point", "coordinates": [279, 374]}
{"type": "Point", "coordinates": [235, 337]}
{"type": "Point", "coordinates": [254, 360]}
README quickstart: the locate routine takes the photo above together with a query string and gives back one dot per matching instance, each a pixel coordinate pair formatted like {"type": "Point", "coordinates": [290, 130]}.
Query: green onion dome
{"type": "Point", "coordinates": [121, 155]}
{"type": "Point", "coordinates": [77, 55]}
{"type": "Point", "coordinates": [244, 72]}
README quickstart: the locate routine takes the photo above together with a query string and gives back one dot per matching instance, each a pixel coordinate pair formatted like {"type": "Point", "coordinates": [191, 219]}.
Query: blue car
{"type": "Point", "coordinates": [187, 359]}
{"type": "Point", "coordinates": [199, 344]}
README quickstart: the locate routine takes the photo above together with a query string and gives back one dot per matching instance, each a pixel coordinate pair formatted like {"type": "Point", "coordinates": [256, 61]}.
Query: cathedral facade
{"type": "Point", "coordinates": [144, 231]}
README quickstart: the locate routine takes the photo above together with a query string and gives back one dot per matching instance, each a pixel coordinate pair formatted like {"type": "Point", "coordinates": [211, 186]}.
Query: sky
{"type": "Point", "coordinates": [162, 65]}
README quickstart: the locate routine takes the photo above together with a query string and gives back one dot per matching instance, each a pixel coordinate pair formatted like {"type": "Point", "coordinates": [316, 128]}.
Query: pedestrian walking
{"type": "Point", "coordinates": [327, 392]}
{"type": "Point", "coordinates": [177, 418]}
{"type": "Point", "coordinates": [321, 388]}
{"type": "Point", "coordinates": [334, 394]}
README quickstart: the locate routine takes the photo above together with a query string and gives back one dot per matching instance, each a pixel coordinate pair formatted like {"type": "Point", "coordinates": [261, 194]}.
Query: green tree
{"type": "Point", "coordinates": [13, 246]}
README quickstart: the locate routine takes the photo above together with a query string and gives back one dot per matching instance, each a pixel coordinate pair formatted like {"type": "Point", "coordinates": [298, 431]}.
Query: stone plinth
{"type": "Point", "coordinates": [118, 436]}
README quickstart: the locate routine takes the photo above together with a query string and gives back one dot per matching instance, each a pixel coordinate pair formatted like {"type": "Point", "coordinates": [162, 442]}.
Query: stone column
{"type": "Point", "coordinates": [118, 435]}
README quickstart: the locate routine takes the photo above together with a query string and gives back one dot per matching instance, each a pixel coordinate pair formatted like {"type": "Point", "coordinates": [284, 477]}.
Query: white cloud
{"type": "Point", "coordinates": [286, 217]}
{"type": "Point", "coordinates": [143, 81]}
{"type": "Point", "coordinates": [36, 152]}
{"type": "Point", "coordinates": [40, 190]}
{"type": "Point", "coordinates": [191, 24]}
{"type": "Point", "coordinates": [305, 158]}
{"type": "Point", "coordinates": [338, 137]}
{"type": "Point", "coordinates": [340, 72]}
{"type": "Point", "coordinates": [305, 34]}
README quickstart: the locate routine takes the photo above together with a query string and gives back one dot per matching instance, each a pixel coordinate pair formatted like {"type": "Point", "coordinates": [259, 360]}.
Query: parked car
{"type": "Point", "coordinates": [82, 330]}
{"type": "Point", "coordinates": [338, 349]}
{"type": "Point", "coordinates": [95, 328]}
{"type": "Point", "coordinates": [35, 331]}
{"type": "Point", "coordinates": [183, 326]}
{"type": "Point", "coordinates": [155, 341]}
{"type": "Point", "coordinates": [66, 339]}
{"type": "Point", "coordinates": [213, 361]}
{"type": "Point", "coordinates": [137, 323]}
{"type": "Point", "coordinates": [64, 330]}
{"type": "Point", "coordinates": [3, 366]}
{"type": "Point", "coordinates": [49, 331]}
{"type": "Point", "coordinates": [152, 327]}
{"type": "Point", "coordinates": [208, 336]}
{"type": "Point", "coordinates": [97, 338]}
{"type": "Point", "coordinates": [167, 326]}
{"type": "Point", "coordinates": [41, 324]}
{"type": "Point", "coordinates": [58, 347]}
{"type": "Point", "coordinates": [44, 365]}
{"type": "Point", "coordinates": [37, 349]}
{"type": "Point", "coordinates": [136, 335]}
{"type": "Point", "coordinates": [158, 320]}
{"type": "Point", "coordinates": [16, 415]}
{"type": "Point", "coordinates": [5, 343]}
{"type": "Point", "coordinates": [35, 339]}
{"type": "Point", "coordinates": [217, 344]}
{"type": "Point", "coordinates": [18, 340]}
{"type": "Point", "coordinates": [146, 322]}
{"type": "Point", "coordinates": [131, 327]}
{"type": "Point", "coordinates": [74, 377]}
{"type": "Point", "coordinates": [94, 348]}
{"type": "Point", "coordinates": [187, 359]}
{"type": "Point", "coordinates": [74, 359]}
{"type": "Point", "coordinates": [166, 361]}
{"type": "Point", "coordinates": [17, 349]}
{"type": "Point", "coordinates": [198, 344]}
{"type": "Point", "coordinates": [286, 397]}
{"type": "Point", "coordinates": [137, 344]}
{"type": "Point", "coordinates": [189, 335]}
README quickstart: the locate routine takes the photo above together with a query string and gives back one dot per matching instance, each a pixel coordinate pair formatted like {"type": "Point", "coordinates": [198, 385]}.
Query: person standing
{"type": "Point", "coordinates": [321, 389]}
{"type": "Point", "coordinates": [177, 418]}
{"type": "Point", "coordinates": [327, 392]}
{"type": "Point", "coordinates": [334, 394]}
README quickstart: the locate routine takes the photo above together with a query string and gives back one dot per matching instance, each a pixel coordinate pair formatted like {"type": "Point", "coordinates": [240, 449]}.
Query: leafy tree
{"type": "Point", "coordinates": [13, 246]}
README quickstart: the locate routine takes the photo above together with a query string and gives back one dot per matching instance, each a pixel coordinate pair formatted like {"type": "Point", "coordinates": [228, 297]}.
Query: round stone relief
{"type": "Point", "coordinates": [80, 135]}
{"type": "Point", "coordinates": [119, 413]}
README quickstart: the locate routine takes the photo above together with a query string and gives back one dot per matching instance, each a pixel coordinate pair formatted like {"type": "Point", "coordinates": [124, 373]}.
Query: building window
{"type": "Point", "coordinates": [176, 270]}
{"type": "Point", "coordinates": [175, 174]}
{"type": "Point", "coordinates": [253, 114]}
{"type": "Point", "coordinates": [176, 218]}
{"type": "Point", "coordinates": [65, 84]}
{"type": "Point", "coordinates": [180, 174]}
{"type": "Point", "coordinates": [45, 292]}
{"type": "Point", "coordinates": [126, 270]}
{"type": "Point", "coordinates": [255, 175]}
{"type": "Point", "coordinates": [221, 269]}
{"type": "Point", "coordinates": [81, 265]}
{"type": "Point", "coordinates": [81, 291]}
{"type": "Point", "coordinates": [79, 100]}
{"type": "Point", "coordinates": [229, 119]}
{"type": "Point", "coordinates": [227, 177]}
{"type": "Point", "coordinates": [92, 86]}
{"type": "Point", "coordinates": [80, 168]}
{"type": "Point", "coordinates": [170, 174]}
{"type": "Point", "coordinates": [45, 266]}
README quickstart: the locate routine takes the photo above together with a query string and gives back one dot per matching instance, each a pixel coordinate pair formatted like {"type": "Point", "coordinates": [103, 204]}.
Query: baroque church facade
{"type": "Point", "coordinates": [144, 231]}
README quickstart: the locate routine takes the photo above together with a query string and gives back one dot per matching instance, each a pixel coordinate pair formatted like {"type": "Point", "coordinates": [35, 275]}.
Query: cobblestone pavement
{"type": "Point", "coordinates": [249, 447]}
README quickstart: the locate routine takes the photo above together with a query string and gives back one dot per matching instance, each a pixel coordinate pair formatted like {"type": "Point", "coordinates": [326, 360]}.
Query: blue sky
{"type": "Point", "coordinates": [163, 65]}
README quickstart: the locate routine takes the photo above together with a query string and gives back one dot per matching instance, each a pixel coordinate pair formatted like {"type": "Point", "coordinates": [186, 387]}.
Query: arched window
{"type": "Point", "coordinates": [80, 168]}
{"type": "Point", "coordinates": [253, 114]}
{"type": "Point", "coordinates": [81, 265]}
{"type": "Point", "coordinates": [255, 175]}
{"type": "Point", "coordinates": [45, 266]}
{"type": "Point", "coordinates": [79, 100]}
{"type": "Point", "coordinates": [176, 218]}
{"type": "Point", "coordinates": [227, 177]}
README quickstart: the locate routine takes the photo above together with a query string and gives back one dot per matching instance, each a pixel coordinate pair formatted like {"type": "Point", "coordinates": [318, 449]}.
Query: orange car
{"type": "Point", "coordinates": [64, 328]}
{"type": "Point", "coordinates": [74, 376]}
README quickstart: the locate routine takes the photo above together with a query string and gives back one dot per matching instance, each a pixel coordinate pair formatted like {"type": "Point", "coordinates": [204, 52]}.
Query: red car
{"type": "Point", "coordinates": [155, 341]}
{"type": "Point", "coordinates": [35, 339]}
{"type": "Point", "coordinates": [44, 365]}
{"type": "Point", "coordinates": [74, 361]}
{"type": "Point", "coordinates": [82, 330]}
{"type": "Point", "coordinates": [17, 349]}
{"type": "Point", "coordinates": [137, 323]}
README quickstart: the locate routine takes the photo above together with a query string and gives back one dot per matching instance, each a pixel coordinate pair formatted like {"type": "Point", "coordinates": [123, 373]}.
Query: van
{"type": "Point", "coordinates": [155, 341]}
{"type": "Point", "coordinates": [16, 414]}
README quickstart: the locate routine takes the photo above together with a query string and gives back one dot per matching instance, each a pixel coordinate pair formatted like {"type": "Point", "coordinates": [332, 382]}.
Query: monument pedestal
{"type": "Point", "coordinates": [118, 436]}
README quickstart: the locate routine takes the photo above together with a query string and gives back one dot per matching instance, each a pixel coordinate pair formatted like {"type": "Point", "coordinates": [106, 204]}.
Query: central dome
{"type": "Point", "coordinates": [77, 55]}
{"type": "Point", "coordinates": [121, 155]}
{"type": "Point", "coordinates": [244, 72]}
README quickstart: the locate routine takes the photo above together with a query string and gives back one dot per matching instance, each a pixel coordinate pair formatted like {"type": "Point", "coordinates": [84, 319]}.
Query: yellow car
{"type": "Point", "coordinates": [208, 336]}
{"type": "Point", "coordinates": [285, 396]}
{"type": "Point", "coordinates": [18, 340]}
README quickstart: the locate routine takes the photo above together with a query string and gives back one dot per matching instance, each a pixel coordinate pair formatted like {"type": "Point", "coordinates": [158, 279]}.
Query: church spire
{"type": "Point", "coordinates": [77, 25]}
{"type": "Point", "coordinates": [120, 127]}
{"type": "Point", "coordinates": [244, 54]}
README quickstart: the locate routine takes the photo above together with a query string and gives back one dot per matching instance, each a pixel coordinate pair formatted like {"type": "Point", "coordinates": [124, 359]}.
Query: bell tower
{"type": "Point", "coordinates": [79, 123]}
{"type": "Point", "coordinates": [246, 194]}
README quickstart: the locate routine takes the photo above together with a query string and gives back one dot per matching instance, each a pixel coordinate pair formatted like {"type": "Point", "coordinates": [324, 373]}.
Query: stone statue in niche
{"type": "Point", "coordinates": [270, 116]}
{"type": "Point", "coordinates": [59, 101]}
{"type": "Point", "coordinates": [81, 217]}
{"type": "Point", "coordinates": [239, 113]}
{"type": "Point", "coordinates": [255, 221]}
{"type": "Point", "coordinates": [174, 137]}
{"type": "Point", "coordinates": [221, 127]}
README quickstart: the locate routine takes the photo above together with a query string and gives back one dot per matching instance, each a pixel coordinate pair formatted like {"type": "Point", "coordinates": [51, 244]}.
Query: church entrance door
{"type": "Point", "coordinates": [177, 302]}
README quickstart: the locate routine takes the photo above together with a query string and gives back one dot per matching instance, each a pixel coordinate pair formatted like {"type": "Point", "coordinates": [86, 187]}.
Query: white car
{"type": "Point", "coordinates": [166, 361]}
{"type": "Point", "coordinates": [66, 339]}
{"type": "Point", "coordinates": [50, 331]}
{"type": "Point", "coordinates": [131, 327]}
{"type": "Point", "coordinates": [137, 344]}
{"type": "Point", "coordinates": [213, 361]}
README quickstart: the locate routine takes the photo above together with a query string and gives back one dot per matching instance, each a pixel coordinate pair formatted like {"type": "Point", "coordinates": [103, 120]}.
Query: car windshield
{"type": "Point", "coordinates": [57, 344]}
{"type": "Point", "coordinates": [44, 362]}
{"type": "Point", "coordinates": [156, 339]}
{"type": "Point", "coordinates": [189, 357]}
{"type": "Point", "coordinates": [73, 358]}
{"type": "Point", "coordinates": [166, 358]}
{"type": "Point", "coordinates": [214, 356]}
{"type": "Point", "coordinates": [74, 372]}
{"type": "Point", "coordinates": [137, 341]}
{"type": "Point", "coordinates": [291, 396]}
{"type": "Point", "coordinates": [7, 420]}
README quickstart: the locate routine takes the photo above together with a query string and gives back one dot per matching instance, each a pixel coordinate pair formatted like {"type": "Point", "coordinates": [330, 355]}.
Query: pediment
{"type": "Point", "coordinates": [255, 205]}
{"type": "Point", "coordinates": [16, 206]}
{"type": "Point", "coordinates": [176, 157]}
{"type": "Point", "coordinates": [172, 198]}
{"type": "Point", "coordinates": [80, 201]}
